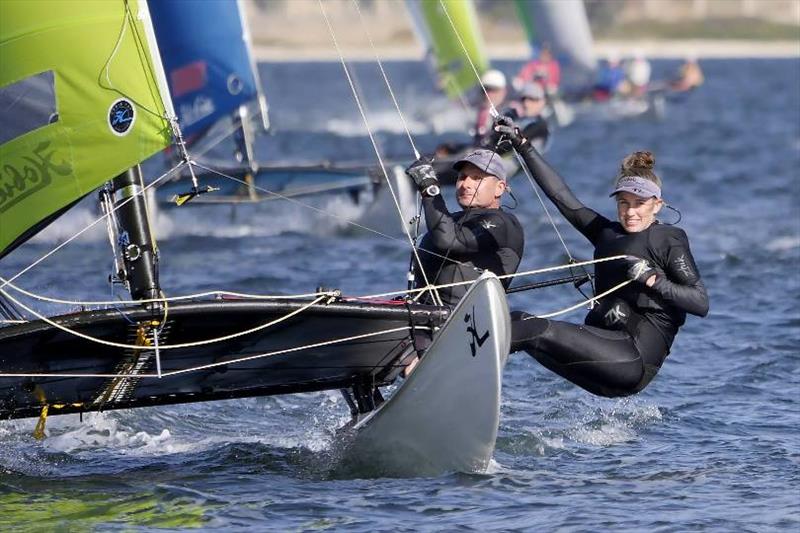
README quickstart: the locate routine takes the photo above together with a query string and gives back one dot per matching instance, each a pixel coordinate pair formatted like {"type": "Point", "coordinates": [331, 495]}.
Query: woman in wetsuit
{"type": "Point", "coordinates": [624, 339]}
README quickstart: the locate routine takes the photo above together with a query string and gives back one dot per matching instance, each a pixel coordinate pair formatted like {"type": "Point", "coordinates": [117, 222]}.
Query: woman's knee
{"type": "Point", "coordinates": [525, 329]}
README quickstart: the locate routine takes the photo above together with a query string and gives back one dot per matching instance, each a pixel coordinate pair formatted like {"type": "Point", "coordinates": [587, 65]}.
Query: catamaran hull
{"type": "Point", "coordinates": [445, 416]}
{"type": "Point", "coordinates": [302, 353]}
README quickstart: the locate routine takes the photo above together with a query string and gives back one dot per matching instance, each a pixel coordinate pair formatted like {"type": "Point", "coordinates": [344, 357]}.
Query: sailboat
{"type": "Point", "coordinates": [87, 77]}
{"type": "Point", "coordinates": [454, 51]}
{"type": "Point", "coordinates": [217, 93]}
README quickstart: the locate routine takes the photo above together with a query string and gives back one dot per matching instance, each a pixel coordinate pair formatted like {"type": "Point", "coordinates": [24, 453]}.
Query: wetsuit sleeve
{"type": "Point", "coordinates": [681, 286]}
{"type": "Point", "coordinates": [446, 234]}
{"type": "Point", "coordinates": [585, 220]}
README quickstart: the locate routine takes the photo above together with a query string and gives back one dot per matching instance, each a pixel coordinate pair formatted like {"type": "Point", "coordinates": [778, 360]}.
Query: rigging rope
{"type": "Point", "coordinates": [221, 363]}
{"type": "Point", "coordinates": [169, 346]}
{"type": "Point", "coordinates": [386, 80]}
{"type": "Point", "coordinates": [328, 294]}
{"type": "Point", "coordinates": [433, 291]}
{"type": "Point", "coordinates": [311, 304]}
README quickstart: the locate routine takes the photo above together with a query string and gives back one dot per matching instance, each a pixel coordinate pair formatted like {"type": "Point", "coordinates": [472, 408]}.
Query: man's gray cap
{"type": "Point", "coordinates": [486, 160]}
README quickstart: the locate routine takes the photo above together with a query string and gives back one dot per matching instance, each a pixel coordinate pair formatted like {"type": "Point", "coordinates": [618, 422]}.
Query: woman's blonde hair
{"type": "Point", "coordinates": [639, 164]}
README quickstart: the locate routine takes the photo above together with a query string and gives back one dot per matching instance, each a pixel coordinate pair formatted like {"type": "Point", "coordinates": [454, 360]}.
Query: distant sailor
{"type": "Point", "coordinates": [627, 337]}
{"type": "Point", "coordinates": [528, 116]}
{"type": "Point", "coordinates": [690, 76]}
{"type": "Point", "coordinates": [494, 82]}
{"type": "Point", "coordinates": [459, 246]}
{"type": "Point", "coordinates": [637, 74]}
{"type": "Point", "coordinates": [543, 69]}
{"type": "Point", "coordinates": [610, 79]}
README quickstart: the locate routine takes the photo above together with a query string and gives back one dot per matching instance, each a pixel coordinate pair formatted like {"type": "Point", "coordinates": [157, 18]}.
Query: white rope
{"type": "Point", "coordinates": [323, 297]}
{"type": "Point", "coordinates": [581, 304]}
{"type": "Point", "coordinates": [327, 294]}
{"type": "Point", "coordinates": [524, 167]}
{"type": "Point", "coordinates": [168, 346]}
{"type": "Point", "coordinates": [221, 363]}
{"type": "Point", "coordinates": [91, 225]}
{"type": "Point", "coordinates": [386, 79]}
{"type": "Point", "coordinates": [504, 276]}
{"type": "Point", "coordinates": [215, 293]}
{"type": "Point", "coordinates": [428, 285]}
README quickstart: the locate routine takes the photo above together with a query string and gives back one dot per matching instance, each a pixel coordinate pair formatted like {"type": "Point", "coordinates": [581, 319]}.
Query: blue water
{"type": "Point", "coordinates": [712, 444]}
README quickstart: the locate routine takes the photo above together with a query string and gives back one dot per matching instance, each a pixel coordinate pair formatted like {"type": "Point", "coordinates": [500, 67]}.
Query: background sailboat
{"type": "Point", "coordinates": [217, 93]}
{"type": "Point", "coordinates": [454, 49]}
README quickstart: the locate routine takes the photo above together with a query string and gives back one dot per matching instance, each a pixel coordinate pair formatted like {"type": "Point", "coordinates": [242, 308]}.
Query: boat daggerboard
{"type": "Point", "coordinates": [205, 49]}
{"type": "Point", "coordinates": [80, 102]}
{"type": "Point", "coordinates": [564, 26]}
{"type": "Point", "coordinates": [445, 416]}
{"type": "Point", "coordinates": [442, 44]}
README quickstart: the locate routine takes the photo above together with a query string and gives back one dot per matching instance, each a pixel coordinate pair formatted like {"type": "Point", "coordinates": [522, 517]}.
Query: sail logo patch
{"type": "Point", "coordinates": [121, 117]}
{"type": "Point", "coordinates": [615, 316]}
{"type": "Point", "coordinates": [475, 341]}
{"type": "Point", "coordinates": [683, 267]}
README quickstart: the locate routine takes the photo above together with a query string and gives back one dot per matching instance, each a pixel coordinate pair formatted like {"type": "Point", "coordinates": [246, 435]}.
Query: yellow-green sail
{"type": "Point", "coordinates": [452, 60]}
{"type": "Point", "coordinates": [93, 60]}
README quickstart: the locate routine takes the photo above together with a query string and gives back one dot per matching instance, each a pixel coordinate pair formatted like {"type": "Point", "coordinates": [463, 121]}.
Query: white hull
{"type": "Point", "coordinates": [445, 416]}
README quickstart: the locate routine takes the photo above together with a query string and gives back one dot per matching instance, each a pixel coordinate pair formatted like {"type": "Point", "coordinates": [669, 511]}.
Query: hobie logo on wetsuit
{"type": "Point", "coordinates": [615, 316]}
{"type": "Point", "coordinates": [487, 224]}
{"type": "Point", "coordinates": [683, 267]}
{"type": "Point", "coordinates": [121, 117]}
{"type": "Point", "coordinates": [475, 340]}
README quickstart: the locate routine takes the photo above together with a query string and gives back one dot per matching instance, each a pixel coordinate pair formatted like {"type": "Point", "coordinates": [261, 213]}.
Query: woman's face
{"type": "Point", "coordinates": [636, 213]}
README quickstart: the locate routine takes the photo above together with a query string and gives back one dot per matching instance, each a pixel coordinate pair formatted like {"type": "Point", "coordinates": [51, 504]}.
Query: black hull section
{"type": "Point", "coordinates": [39, 348]}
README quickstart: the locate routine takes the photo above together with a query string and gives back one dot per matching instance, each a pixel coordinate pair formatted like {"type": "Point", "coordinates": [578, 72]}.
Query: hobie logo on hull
{"type": "Point", "coordinates": [476, 340]}
{"type": "Point", "coordinates": [121, 117]}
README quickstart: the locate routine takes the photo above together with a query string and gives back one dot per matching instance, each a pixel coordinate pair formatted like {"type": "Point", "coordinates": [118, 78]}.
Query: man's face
{"type": "Point", "coordinates": [533, 106]}
{"type": "Point", "coordinates": [476, 188]}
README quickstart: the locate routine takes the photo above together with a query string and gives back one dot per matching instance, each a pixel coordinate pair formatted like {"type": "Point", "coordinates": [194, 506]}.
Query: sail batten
{"type": "Point", "coordinates": [109, 115]}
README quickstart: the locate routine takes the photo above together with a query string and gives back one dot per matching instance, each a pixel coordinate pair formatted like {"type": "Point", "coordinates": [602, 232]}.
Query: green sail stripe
{"type": "Point", "coordinates": [51, 167]}
{"type": "Point", "coordinates": [455, 73]}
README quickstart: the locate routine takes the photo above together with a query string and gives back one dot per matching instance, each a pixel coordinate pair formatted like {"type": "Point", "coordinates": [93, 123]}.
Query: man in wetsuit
{"type": "Point", "coordinates": [459, 246]}
{"type": "Point", "coordinates": [624, 340]}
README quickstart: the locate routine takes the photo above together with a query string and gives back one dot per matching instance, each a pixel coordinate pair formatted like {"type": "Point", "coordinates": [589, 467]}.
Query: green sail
{"type": "Point", "coordinates": [456, 75]}
{"type": "Point", "coordinates": [105, 90]}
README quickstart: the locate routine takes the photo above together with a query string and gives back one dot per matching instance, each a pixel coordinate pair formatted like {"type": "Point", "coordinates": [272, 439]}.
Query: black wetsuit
{"type": "Point", "coordinates": [464, 244]}
{"type": "Point", "coordinates": [627, 336]}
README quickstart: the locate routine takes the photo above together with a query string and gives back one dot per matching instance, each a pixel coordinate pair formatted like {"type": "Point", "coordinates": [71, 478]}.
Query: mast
{"type": "Point", "coordinates": [139, 252]}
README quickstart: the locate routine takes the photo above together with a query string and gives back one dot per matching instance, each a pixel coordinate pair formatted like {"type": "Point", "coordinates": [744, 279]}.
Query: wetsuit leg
{"type": "Point", "coordinates": [604, 362]}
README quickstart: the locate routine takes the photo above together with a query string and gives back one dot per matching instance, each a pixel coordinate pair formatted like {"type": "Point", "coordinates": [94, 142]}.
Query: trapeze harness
{"type": "Point", "coordinates": [459, 246]}
{"type": "Point", "coordinates": [627, 336]}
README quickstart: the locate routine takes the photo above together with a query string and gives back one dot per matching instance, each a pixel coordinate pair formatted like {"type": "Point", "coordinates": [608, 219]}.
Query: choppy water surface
{"type": "Point", "coordinates": [713, 444]}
